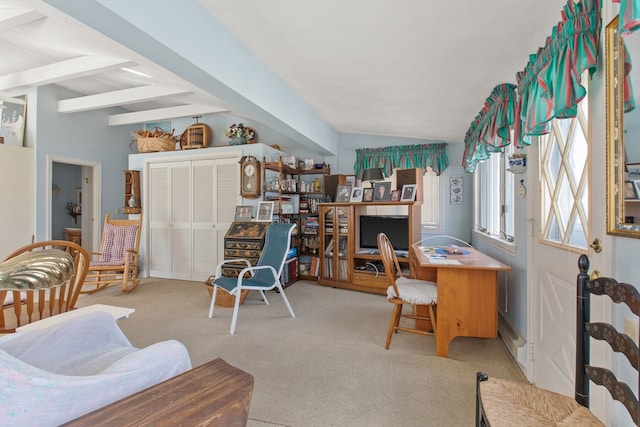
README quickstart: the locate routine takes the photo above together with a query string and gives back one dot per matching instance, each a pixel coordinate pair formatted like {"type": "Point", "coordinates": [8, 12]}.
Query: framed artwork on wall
{"type": "Point", "coordinates": [13, 112]}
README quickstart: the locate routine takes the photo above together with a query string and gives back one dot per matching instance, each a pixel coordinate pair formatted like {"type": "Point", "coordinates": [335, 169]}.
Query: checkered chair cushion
{"type": "Point", "coordinates": [117, 240]}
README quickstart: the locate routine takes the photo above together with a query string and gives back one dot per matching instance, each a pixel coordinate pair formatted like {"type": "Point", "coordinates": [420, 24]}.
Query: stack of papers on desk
{"type": "Point", "coordinates": [441, 259]}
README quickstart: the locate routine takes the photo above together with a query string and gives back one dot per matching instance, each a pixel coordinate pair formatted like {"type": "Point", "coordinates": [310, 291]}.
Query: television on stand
{"type": "Point", "coordinates": [396, 227]}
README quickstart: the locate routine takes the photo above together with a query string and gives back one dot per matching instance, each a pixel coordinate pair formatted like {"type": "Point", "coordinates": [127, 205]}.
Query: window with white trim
{"type": "Point", "coordinates": [431, 200]}
{"type": "Point", "coordinates": [494, 202]}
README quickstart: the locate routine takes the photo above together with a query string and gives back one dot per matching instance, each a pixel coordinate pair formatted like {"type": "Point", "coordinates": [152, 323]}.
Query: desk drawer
{"type": "Point", "coordinates": [368, 278]}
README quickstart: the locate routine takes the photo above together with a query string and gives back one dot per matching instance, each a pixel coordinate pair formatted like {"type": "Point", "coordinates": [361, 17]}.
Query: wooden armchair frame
{"type": "Point", "coordinates": [117, 260]}
{"type": "Point", "coordinates": [29, 306]}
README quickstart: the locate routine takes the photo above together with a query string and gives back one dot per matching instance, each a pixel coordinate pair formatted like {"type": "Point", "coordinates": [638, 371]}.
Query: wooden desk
{"type": "Point", "coordinates": [467, 295]}
{"type": "Point", "coordinates": [213, 394]}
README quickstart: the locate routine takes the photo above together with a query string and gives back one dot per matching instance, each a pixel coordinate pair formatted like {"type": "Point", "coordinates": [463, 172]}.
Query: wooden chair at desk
{"type": "Point", "coordinates": [403, 290]}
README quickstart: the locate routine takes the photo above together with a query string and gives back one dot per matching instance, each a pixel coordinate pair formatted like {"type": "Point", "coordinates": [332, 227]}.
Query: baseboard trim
{"type": "Point", "coordinates": [515, 343]}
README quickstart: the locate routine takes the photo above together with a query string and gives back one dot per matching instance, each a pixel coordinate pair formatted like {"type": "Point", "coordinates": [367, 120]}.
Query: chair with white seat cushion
{"type": "Point", "coordinates": [404, 290]}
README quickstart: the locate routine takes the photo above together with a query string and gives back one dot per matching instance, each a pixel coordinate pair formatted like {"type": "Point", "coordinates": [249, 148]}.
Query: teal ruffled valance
{"type": "Point", "coordinates": [629, 16]}
{"type": "Point", "coordinates": [403, 157]}
{"type": "Point", "coordinates": [549, 86]}
{"type": "Point", "coordinates": [489, 131]}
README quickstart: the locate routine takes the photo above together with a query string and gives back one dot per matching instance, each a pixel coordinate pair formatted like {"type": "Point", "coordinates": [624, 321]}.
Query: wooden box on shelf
{"type": "Point", "coordinates": [132, 202]}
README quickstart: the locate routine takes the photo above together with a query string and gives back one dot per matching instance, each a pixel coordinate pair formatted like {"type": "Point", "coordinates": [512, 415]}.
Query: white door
{"type": "Point", "coordinates": [192, 205]}
{"type": "Point", "coordinates": [566, 214]}
{"type": "Point", "coordinates": [215, 195]}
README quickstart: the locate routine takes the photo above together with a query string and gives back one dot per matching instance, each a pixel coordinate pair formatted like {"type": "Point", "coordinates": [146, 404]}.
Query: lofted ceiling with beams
{"type": "Point", "coordinates": [407, 68]}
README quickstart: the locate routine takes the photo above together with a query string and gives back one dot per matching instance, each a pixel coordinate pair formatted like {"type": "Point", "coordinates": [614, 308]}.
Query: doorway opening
{"type": "Point", "coordinates": [74, 199]}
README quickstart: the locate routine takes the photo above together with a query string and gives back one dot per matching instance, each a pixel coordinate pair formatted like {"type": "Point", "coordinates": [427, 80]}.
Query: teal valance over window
{"type": "Point", "coordinates": [489, 132]}
{"type": "Point", "coordinates": [629, 15]}
{"type": "Point", "coordinates": [549, 87]}
{"type": "Point", "coordinates": [403, 157]}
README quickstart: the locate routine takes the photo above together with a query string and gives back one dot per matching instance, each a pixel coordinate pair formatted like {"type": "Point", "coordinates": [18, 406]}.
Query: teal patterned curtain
{"type": "Point", "coordinates": [550, 84]}
{"type": "Point", "coordinates": [403, 157]}
{"type": "Point", "coordinates": [489, 131]}
{"type": "Point", "coordinates": [629, 16]}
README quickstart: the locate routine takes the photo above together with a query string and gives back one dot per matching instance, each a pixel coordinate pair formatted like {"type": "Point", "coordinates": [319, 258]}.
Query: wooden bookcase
{"type": "Point", "coordinates": [340, 254]}
{"type": "Point", "coordinates": [132, 202]}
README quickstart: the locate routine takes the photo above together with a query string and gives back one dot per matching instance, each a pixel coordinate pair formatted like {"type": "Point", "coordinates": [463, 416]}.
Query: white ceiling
{"type": "Point", "coordinates": [410, 68]}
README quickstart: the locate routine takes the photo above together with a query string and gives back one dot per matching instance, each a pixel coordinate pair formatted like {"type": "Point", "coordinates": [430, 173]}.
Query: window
{"type": "Point", "coordinates": [430, 199]}
{"type": "Point", "coordinates": [564, 180]}
{"type": "Point", "coordinates": [494, 190]}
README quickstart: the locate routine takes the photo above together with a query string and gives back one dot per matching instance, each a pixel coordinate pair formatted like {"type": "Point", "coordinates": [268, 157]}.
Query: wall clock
{"type": "Point", "coordinates": [249, 177]}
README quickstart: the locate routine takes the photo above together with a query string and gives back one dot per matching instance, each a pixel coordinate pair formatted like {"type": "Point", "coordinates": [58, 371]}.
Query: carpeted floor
{"type": "Point", "coordinates": [328, 366]}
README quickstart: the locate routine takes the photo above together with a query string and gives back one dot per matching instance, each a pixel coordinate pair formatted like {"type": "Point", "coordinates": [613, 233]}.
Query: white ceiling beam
{"type": "Point", "coordinates": [163, 114]}
{"type": "Point", "coordinates": [117, 97]}
{"type": "Point", "coordinates": [60, 71]}
{"type": "Point", "coordinates": [10, 18]}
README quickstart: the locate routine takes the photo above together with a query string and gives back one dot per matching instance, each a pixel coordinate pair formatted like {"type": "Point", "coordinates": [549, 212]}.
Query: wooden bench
{"type": "Point", "coordinates": [212, 394]}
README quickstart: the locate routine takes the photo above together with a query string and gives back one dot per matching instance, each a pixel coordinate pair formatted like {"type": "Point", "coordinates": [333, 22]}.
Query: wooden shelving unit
{"type": "Point", "coordinates": [132, 202]}
{"type": "Point", "coordinates": [340, 254]}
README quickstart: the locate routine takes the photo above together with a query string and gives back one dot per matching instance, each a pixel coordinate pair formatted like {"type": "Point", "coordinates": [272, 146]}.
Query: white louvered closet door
{"type": "Point", "coordinates": [215, 195]}
{"type": "Point", "coordinates": [192, 205]}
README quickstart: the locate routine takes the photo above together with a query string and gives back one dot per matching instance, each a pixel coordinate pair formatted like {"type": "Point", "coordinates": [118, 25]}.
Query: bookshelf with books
{"type": "Point", "coordinates": [336, 243]}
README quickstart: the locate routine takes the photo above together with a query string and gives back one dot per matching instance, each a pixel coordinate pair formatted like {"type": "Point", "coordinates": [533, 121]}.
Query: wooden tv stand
{"type": "Point", "coordinates": [343, 264]}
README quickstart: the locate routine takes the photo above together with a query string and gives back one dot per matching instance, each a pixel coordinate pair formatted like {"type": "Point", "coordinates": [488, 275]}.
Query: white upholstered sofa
{"type": "Point", "coordinates": [54, 375]}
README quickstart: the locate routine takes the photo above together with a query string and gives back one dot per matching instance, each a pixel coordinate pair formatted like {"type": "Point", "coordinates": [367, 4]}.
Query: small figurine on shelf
{"type": "Point", "coordinates": [131, 202]}
{"type": "Point", "coordinates": [316, 185]}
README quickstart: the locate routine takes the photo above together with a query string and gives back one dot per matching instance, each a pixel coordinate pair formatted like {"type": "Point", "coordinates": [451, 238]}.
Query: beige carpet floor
{"type": "Point", "coordinates": [328, 366]}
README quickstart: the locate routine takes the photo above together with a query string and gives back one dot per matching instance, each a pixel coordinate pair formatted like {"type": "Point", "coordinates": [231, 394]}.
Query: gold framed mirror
{"type": "Point", "coordinates": [623, 133]}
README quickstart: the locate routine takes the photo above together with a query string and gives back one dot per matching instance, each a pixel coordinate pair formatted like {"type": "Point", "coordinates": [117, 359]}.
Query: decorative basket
{"type": "Point", "coordinates": [150, 145]}
{"type": "Point", "coordinates": [224, 299]}
{"type": "Point", "coordinates": [153, 140]}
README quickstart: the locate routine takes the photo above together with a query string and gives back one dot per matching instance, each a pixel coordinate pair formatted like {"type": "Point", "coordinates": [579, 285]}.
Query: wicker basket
{"type": "Point", "coordinates": [150, 145]}
{"type": "Point", "coordinates": [224, 299]}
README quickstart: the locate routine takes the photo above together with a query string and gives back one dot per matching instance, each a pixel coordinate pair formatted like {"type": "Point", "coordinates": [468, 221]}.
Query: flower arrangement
{"type": "Point", "coordinates": [240, 131]}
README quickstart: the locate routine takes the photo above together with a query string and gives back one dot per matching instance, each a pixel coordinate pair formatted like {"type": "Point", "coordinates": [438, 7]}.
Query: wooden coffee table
{"type": "Point", "coordinates": [212, 394]}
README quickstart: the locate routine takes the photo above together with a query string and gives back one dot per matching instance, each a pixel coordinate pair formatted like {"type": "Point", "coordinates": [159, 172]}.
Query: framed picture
{"type": "Point", "coordinates": [265, 211]}
{"type": "Point", "coordinates": [12, 116]}
{"type": "Point", "coordinates": [455, 189]}
{"type": "Point", "coordinates": [630, 190]}
{"type": "Point", "coordinates": [343, 193]}
{"type": "Point", "coordinates": [408, 193]}
{"type": "Point", "coordinates": [382, 191]}
{"type": "Point", "coordinates": [395, 195]}
{"type": "Point", "coordinates": [243, 213]}
{"type": "Point", "coordinates": [356, 194]}
{"type": "Point", "coordinates": [351, 180]}
{"type": "Point", "coordinates": [367, 194]}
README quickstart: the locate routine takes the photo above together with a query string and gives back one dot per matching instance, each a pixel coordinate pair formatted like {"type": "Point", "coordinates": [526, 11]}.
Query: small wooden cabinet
{"type": "Point", "coordinates": [244, 240]}
{"type": "Point", "coordinates": [132, 201]}
{"type": "Point", "coordinates": [336, 243]}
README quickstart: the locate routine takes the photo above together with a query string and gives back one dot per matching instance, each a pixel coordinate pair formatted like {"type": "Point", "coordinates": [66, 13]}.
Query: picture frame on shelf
{"type": "Point", "coordinates": [350, 180]}
{"type": "Point", "coordinates": [343, 193]}
{"type": "Point", "coordinates": [408, 193]}
{"type": "Point", "coordinates": [395, 195]}
{"type": "Point", "coordinates": [630, 190]}
{"type": "Point", "coordinates": [382, 191]}
{"type": "Point", "coordinates": [265, 212]}
{"type": "Point", "coordinates": [356, 194]}
{"type": "Point", "coordinates": [243, 213]}
{"type": "Point", "coordinates": [367, 194]}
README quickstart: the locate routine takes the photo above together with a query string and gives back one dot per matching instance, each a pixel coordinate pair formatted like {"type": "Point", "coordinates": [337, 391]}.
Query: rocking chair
{"type": "Point", "coordinates": [118, 256]}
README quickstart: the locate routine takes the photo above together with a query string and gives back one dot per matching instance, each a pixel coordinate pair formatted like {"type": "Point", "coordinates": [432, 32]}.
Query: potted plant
{"type": "Point", "coordinates": [240, 134]}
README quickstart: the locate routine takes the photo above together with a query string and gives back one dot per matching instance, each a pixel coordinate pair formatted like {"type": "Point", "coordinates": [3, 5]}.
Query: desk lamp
{"type": "Point", "coordinates": [372, 175]}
